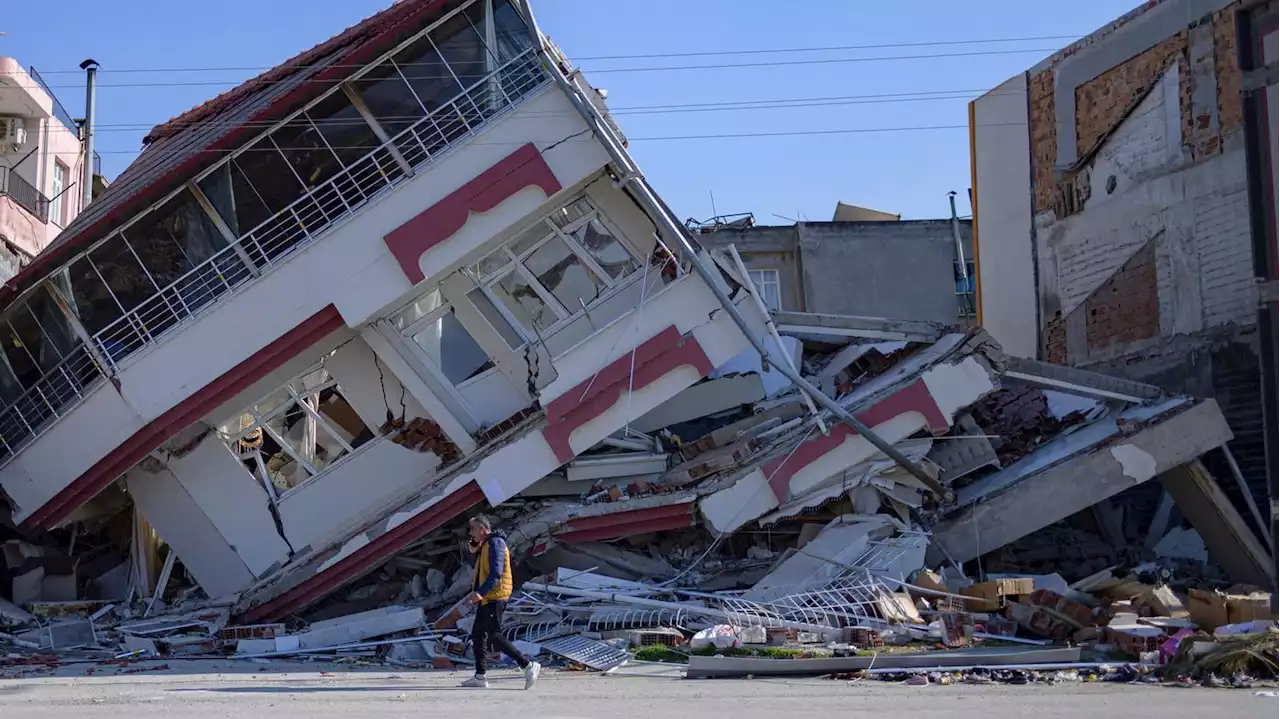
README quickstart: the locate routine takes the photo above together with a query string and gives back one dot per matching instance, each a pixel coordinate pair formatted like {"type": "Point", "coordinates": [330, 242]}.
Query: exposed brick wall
{"type": "Point", "coordinates": [1055, 340]}
{"type": "Point", "coordinates": [1227, 66]}
{"type": "Point", "coordinates": [1101, 102]}
{"type": "Point", "coordinates": [1044, 138]}
{"type": "Point", "coordinates": [1126, 308]}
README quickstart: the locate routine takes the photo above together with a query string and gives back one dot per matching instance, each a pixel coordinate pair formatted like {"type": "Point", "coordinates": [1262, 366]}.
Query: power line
{"type": "Point", "coordinates": [593, 71]}
{"type": "Point", "coordinates": [644, 56]}
{"type": "Point", "coordinates": [736, 105]}
{"type": "Point", "coordinates": [657, 138]}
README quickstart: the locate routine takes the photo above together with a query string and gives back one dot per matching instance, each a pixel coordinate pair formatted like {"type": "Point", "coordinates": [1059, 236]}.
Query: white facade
{"type": "Point", "coordinates": [41, 164]}
{"type": "Point", "coordinates": [448, 308]}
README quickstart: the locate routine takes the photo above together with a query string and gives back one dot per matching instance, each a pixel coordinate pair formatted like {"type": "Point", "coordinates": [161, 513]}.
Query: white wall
{"type": "Point", "coordinates": [67, 449]}
{"type": "Point", "coordinates": [342, 498]}
{"type": "Point", "coordinates": [1003, 235]}
{"type": "Point", "coordinates": [178, 520]}
{"type": "Point", "coordinates": [233, 500]}
{"type": "Point", "coordinates": [372, 395]}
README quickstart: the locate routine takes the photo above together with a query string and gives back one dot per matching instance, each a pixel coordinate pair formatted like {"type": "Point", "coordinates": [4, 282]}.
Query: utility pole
{"type": "Point", "coordinates": [90, 67]}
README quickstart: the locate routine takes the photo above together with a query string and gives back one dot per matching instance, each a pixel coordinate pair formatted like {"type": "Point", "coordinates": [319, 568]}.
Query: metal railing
{"type": "Point", "coordinates": [59, 111]}
{"type": "Point", "coordinates": [16, 188]}
{"type": "Point", "coordinates": [306, 218]}
{"type": "Point", "coordinates": [50, 397]}
{"type": "Point", "coordinates": [296, 226]}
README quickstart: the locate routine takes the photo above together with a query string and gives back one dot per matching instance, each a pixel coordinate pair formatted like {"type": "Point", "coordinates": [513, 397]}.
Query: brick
{"type": "Point", "coordinates": [1125, 308]}
{"type": "Point", "coordinates": [1227, 68]}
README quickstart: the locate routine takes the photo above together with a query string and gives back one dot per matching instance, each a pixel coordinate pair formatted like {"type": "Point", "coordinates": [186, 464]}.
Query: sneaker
{"type": "Point", "coordinates": [476, 683]}
{"type": "Point", "coordinates": [531, 673]}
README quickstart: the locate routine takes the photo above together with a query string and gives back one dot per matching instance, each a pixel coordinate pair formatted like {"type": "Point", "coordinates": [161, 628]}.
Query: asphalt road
{"type": "Point", "coordinates": [278, 692]}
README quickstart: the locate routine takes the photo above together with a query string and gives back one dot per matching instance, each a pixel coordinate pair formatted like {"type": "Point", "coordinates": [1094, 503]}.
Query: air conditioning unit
{"type": "Point", "coordinates": [13, 133]}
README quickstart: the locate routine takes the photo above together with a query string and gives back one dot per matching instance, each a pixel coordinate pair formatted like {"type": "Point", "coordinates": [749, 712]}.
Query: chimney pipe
{"type": "Point", "coordinates": [90, 94]}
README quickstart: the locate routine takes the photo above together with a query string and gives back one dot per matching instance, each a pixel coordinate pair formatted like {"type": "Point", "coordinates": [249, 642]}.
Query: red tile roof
{"type": "Point", "coordinates": [177, 150]}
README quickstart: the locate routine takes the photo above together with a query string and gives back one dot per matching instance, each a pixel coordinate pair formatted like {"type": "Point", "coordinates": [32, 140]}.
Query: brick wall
{"type": "Point", "coordinates": [1044, 138]}
{"type": "Point", "coordinates": [1055, 340]}
{"type": "Point", "coordinates": [1126, 308]}
{"type": "Point", "coordinates": [1102, 102]}
{"type": "Point", "coordinates": [1223, 246]}
{"type": "Point", "coordinates": [1227, 67]}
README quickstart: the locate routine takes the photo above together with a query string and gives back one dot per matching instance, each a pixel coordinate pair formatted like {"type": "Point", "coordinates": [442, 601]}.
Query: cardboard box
{"type": "Point", "coordinates": [1208, 609]}
{"type": "Point", "coordinates": [1164, 602]}
{"type": "Point", "coordinates": [1073, 612]}
{"type": "Point", "coordinates": [929, 579]}
{"type": "Point", "coordinates": [991, 595]}
{"type": "Point", "coordinates": [1247, 607]}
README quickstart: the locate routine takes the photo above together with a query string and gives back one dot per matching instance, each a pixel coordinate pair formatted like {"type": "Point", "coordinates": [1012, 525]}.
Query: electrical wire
{"type": "Point", "coordinates": [643, 56]}
{"type": "Point", "coordinates": [656, 138]}
{"type": "Point", "coordinates": [731, 105]}
{"type": "Point", "coordinates": [591, 71]}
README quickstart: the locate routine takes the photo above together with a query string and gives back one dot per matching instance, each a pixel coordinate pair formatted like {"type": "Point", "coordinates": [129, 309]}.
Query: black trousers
{"type": "Point", "coordinates": [486, 632]}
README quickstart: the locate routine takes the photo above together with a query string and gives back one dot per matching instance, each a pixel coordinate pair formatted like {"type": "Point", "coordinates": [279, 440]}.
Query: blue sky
{"type": "Point", "coordinates": [892, 169]}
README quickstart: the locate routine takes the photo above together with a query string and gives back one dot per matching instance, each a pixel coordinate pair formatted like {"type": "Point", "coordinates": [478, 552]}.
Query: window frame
{"type": "Point", "coordinates": [759, 280]}
{"type": "Point", "coordinates": [514, 262]}
{"type": "Point", "coordinates": [262, 421]}
{"type": "Point", "coordinates": [57, 207]}
{"type": "Point", "coordinates": [412, 329]}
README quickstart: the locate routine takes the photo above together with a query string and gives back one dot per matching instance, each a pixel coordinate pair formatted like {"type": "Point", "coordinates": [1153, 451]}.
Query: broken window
{"type": "Point", "coordinates": [450, 347]}
{"type": "Point", "coordinates": [170, 242]}
{"type": "Point", "coordinates": [298, 430]}
{"type": "Point", "coordinates": [769, 287]}
{"type": "Point", "coordinates": [554, 270]}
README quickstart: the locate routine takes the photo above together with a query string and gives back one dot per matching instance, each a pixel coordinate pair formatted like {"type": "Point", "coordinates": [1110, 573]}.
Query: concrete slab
{"type": "Point", "coordinates": [1077, 475]}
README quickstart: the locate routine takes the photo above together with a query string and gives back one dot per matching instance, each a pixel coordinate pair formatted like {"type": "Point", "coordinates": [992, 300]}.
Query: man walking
{"type": "Point", "coordinates": [490, 590]}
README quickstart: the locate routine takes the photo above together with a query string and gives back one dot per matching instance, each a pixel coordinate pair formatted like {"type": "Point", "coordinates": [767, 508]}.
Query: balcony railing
{"type": "Point", "coordinates": [266, 245]}
{"type": "Point", "coordinates": [16, 188]}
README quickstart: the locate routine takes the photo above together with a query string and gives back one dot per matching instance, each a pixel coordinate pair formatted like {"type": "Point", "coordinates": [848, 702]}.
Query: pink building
{"type": "Point", "coordinates": [406, 272]}
{"type": "Point", "coordinates": [41, 164]}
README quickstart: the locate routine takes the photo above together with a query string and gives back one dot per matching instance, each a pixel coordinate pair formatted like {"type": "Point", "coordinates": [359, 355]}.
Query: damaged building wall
{"type": "Point", "coordinates": [849, 268]}
{"type": "Point", "coordinates": [350, 267]}
{"type": "Point", "coordinates": [857, 268]}
{"type": "Point", "coordinates": [177, 517]}
{"type": "Point", "coordinates": [1142, 254]}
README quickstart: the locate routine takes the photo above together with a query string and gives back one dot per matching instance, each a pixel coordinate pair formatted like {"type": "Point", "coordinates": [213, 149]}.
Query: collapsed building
{"type": "Point", "coordinates": [413, 274]}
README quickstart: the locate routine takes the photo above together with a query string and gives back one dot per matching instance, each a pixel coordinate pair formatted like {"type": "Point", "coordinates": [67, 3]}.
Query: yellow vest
{"type": "Point", "coordinates": [502, 590]}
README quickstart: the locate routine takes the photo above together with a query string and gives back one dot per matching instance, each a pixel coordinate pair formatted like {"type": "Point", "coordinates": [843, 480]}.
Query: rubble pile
{"type": "Point", "coordinates": [736, 531]}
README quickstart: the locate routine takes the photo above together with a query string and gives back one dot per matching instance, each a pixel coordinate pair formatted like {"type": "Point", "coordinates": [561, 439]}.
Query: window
{"type": "Point", "coordinates": [60, 173]}
{"type": "Point", "coordinates": [451, 348]}
{"type": "Point", "coordinates": [552, 271]}
{"type": "Point", "coordinates": [298, 430]}
{"type": "Point", "coordinates": [769, 287]}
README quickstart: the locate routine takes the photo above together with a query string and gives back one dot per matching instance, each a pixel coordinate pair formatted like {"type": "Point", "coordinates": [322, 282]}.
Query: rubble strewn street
{"type": "Point", "coordinates": [631, 555]}
{"type": "Point", "coordinates": [391, 364]}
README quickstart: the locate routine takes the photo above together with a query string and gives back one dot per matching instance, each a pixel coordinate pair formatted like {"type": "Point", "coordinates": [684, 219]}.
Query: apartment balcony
{"type": "Point", "coordinates": [24, 194]}
{"type": "Point", "coordinates": [260, 251]}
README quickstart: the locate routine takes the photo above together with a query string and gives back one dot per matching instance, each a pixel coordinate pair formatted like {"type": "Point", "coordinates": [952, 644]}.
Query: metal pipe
{"type": "Point", "coordinates": [90, 67]}
{"type": "Point", "coordinates": [630, 174]}
{"type": "Point", "coordinates": [773, 329]}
